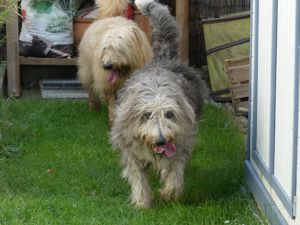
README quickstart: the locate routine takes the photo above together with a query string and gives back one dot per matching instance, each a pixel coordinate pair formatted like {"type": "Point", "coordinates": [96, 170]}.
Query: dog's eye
{"type": "Point", "coordinates": [147, 115]}
{"type": "Point", "coordinates": [169, 115]}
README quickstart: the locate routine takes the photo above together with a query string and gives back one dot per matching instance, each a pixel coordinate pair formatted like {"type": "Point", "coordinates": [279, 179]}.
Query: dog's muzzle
{"type": "Point", "coordinates": [108, 66]}
{"type": "Point", "coordinates": [169, 149]}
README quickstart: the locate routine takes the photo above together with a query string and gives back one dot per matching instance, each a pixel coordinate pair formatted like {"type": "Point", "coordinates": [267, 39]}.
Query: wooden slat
{"type": "Point", "coordinates": [240, 87]}
{"type": "Point", "coordinates": [241, 61]}
{"type": "Point", "coordinates": [47, 61]}
{"type": "Point", "coordinates": [244, 104]}
{"type": "Point", "coordinates": [182, 16]}
{"type": "Point", "coordinates": [13, 68]}
{"type": "Point", "coordinates": [240, 91]}
{"type": "Point", "coordinates": [239, 76]}
{"type": "Point", "coordinates": [243, 108]}
{"type": "Point", "coordinates": [240, 94]}
{"type": "Point", "coordinates": [237, 68]}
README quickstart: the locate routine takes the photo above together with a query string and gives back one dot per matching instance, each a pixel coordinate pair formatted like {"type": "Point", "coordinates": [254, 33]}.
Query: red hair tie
{"type": "Point", "coordinates": [129, 13]}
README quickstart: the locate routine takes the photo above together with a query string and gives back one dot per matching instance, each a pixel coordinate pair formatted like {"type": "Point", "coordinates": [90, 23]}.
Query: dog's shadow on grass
{"type": "Point", "coordinates": [203, 183]}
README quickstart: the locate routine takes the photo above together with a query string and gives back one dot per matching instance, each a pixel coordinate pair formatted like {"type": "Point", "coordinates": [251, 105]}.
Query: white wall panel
{"type": "Point", "coordinates": [285, 82]}
{"type": "Point", "coordinates": [298, 155]}
{"type": "Point", "coordinates": [264, 64]}
{"type": "Point", "coordinates": [277, 137]}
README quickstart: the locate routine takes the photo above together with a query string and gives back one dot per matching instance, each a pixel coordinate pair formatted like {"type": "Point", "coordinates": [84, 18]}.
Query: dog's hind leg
{"type": "Point", "coordinates": [136, 173]}
{"type": "Point", "coordinates": [173, 181]}
{"type": "Point", "coordinates": [94, 102]}
{"type": "Point", "coordinates": [85, 76]}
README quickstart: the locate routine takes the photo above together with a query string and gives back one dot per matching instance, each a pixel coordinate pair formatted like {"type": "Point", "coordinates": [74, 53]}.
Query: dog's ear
{"type": "Point", "coordinates": [189, 114]}
{"type": "Point", "coordinates": [142, 46]}
{"type": "Point", "coordinates": [125, 102]}
{"type": "Point", "coordinates": [136, 34]}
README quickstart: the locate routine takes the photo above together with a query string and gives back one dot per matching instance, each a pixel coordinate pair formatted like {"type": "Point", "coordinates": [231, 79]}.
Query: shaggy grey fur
{"type": "Point", "coordinates": [157, 112]}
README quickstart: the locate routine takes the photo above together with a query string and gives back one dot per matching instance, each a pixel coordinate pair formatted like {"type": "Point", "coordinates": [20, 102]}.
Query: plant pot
{"type": "Point", "coordinates": [81, 24]}
{"type": "Point", "coordinates": [79, 27]}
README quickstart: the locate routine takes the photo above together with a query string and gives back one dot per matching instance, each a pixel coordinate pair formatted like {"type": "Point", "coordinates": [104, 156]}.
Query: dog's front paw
{"type": "Point", "coordinates": [141, 202]}
{"type": "Point", "coordinates": [141, 196]}
{"type": "Point", "coordinates": [169, 194]}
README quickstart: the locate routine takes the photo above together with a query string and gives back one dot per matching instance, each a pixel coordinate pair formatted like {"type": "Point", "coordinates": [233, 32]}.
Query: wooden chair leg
{"type": "Point", "coordinates": [13, 64]}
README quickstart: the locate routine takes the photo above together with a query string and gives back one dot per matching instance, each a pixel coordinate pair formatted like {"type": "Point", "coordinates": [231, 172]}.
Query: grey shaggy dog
{"type": "Point", "coordinates": [157, 113]}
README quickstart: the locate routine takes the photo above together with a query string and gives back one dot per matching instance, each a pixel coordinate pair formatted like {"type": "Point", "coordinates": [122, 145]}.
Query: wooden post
{"type": "Point", "coordinates": [182, 16]}
{"type": "Point", "coordinates": [13, 66]}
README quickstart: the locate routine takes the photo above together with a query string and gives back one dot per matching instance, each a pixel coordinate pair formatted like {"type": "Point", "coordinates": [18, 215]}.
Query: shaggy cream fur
{"type": "Point", "coordinates": [111, 8]}
{"type": "Point", "coordinates": [110, 51]}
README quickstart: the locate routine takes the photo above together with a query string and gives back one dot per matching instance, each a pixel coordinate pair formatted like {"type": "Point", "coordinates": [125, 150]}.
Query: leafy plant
{"type": "Point", "coordinates": [5, 7]}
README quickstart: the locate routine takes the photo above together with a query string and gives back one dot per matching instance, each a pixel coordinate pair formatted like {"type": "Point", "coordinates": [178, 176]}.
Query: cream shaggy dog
{"type": "Point", "coordinates": [112, 8]}
{"type": "Point", "coordinates": [110, 51]}
{"type": "Point", "coordinates": [157, 113]}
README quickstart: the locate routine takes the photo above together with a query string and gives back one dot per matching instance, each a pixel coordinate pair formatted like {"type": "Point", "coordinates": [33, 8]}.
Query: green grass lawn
{"type": "Point", "coordinates": [57, 167]}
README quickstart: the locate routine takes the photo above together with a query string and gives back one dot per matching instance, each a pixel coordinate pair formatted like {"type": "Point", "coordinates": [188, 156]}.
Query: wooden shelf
{"type": "Point", "coordinates": [14, 60]}
{"type": "Point", "coordinates": [48, 61]}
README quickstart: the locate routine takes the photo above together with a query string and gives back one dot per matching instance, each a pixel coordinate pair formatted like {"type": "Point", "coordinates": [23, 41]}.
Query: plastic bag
{"type": "Point", "coordinates": [49, 20]}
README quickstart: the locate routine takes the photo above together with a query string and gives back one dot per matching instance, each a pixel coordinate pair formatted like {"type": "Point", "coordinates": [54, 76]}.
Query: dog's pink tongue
{"type": "Point", "coordinates": [169, 149]}
{"type": "Point", "coordinates": [113, 77]}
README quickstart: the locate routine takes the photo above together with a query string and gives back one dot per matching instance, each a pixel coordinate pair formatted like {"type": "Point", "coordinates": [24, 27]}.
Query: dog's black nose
{"type": "Point", "coordinates": [108, 66]}
{"type": "Point", "coordinates": [161, 141]}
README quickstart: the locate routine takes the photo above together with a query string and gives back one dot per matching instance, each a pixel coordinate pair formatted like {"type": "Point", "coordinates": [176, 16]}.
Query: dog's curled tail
{"type": "Point", "coordinates": [165, 30]}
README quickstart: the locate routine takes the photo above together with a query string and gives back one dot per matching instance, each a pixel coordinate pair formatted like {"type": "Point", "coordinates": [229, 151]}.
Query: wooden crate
{"type": "Point", "coordinates": [237, 70]}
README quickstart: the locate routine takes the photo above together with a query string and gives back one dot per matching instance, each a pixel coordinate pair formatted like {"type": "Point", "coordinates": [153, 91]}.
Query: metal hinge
{"type": "Point", "coordinates": [294, 206]}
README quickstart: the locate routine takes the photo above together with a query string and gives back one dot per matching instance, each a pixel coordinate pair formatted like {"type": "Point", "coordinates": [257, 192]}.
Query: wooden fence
{"type": "Point", "coordinates": [216, 8]}
{"type": "Point", "coordinates": [203, 9]}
